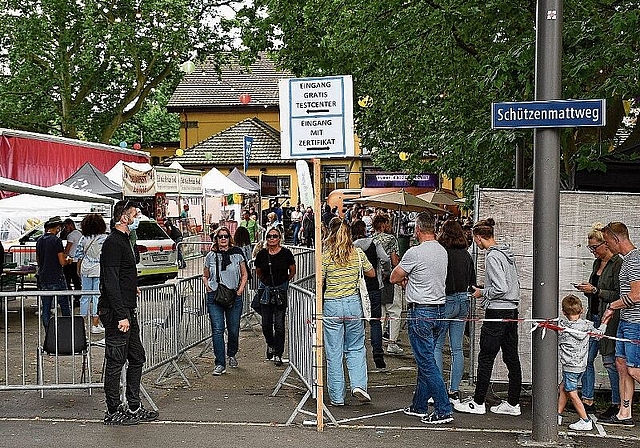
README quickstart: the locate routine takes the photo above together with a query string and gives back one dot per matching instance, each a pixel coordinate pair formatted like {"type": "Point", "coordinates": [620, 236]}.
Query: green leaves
{"type": "Point", "coordinates": [432, 70]}
{"type": "Point", "coordinates": [81, 68]}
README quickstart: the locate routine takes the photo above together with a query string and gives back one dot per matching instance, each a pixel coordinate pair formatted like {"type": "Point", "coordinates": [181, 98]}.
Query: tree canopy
{"type": "Point", "coordinates": [82, 68]}
{"type": "Point", "coordinates": [431, 69]}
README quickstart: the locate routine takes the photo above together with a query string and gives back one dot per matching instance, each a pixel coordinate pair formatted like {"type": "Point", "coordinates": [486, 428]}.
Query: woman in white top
{"type": "Point", "coordinates": [88, 254]}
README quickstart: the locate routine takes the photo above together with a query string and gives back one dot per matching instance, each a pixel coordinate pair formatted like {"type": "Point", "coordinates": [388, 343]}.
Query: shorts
{"type": "Point", "coordinates": [628, 350]}
{"type": "Point", "coordinates": [570, 380]}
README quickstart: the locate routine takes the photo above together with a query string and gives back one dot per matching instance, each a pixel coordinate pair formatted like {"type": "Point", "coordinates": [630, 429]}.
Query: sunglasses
{"type": "Point", "coordinates": [222, 237]}
{"type": "Point", "coordinates": [594, 247]}
{"type": "Point", "coordinates": [273, 236]}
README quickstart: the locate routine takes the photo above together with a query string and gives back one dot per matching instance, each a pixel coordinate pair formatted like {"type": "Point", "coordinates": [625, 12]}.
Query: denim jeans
{"type": "Point", "coordinates": [609, 362]}
{"type": "Point", "coordinates": [296, 232]}
{"type": "Point", "coordinates": [589, 377]}
{"type": "Point", "coordinates": [375, 323]}
{"type": "Point", "coordinates": [423, 329]}
{"type": "Point", "coordinates": [119, 348]}
{"type": "Point", "coordinates": [63, 301]}
{"type": "Point", "coordinates": [493, 337]}
{"type": "Point", "coordinates": [273, 327]}
{"type": "Point", "coordinates": [344, 338]}
{"type": "Point", "coordinates": [89, 284]}
{"type": "Point", "coordinates": [457, 307]}
{"type": "Point", "coordinates": [218, 316]}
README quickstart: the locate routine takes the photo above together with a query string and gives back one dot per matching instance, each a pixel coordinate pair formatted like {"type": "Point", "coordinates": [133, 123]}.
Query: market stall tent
{"type": "Point", "coordinates": [89, 178]}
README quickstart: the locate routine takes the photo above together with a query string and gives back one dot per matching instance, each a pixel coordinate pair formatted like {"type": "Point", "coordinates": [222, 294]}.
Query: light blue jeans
{"type": "Point", "coordinates": [89, 284]}
{"type": "Point", "coordinates": [344, 339]}
{"type": "Point", "coordinates": [456, 307]}
{"type": "Point", "coordinates": [218, 316]}
{"type": "Point", "coordinates": [589, 377]}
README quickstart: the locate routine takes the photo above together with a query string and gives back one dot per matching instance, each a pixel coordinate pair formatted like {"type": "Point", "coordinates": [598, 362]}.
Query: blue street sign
{"type": "Point", "coordinates": [548, 114]}
{"type": "Point", "coordinates": [246, 153]}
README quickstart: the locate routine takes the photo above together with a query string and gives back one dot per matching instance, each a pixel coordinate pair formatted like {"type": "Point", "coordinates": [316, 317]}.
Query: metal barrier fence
{"type": "Point", "coordinates": [173, 318]}
{"type": "Point", "coordinates": [35, 359]}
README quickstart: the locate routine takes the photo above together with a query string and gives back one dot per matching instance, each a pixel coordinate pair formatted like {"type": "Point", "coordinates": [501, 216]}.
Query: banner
{"type": "Point", "coordinates": [138, 183]}
{"type": "Point", "coordinates": [167, 180]}
{"type": "Point", "coordinates": [305, 187]}
{"type": "Point", "coordinates": [190, 182]}
{"type": "Point", "coordinates": [247, 143]}
{"type": "Point", "coordinates": [399, 180]}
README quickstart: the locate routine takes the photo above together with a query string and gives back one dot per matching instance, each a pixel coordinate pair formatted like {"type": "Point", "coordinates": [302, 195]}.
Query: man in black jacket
{"type": "Point", "coordinates": [117, 309]}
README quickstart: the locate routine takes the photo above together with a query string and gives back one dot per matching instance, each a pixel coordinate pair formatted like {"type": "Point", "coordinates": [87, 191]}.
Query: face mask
{"type": "Point", "coordinates": [134, 224]}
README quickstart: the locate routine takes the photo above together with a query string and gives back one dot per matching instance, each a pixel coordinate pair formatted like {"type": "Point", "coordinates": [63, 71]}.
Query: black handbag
{"type": "Point", "coordinates": [225, 297]}
{"type": "Point", "coordinates": [277, 296]}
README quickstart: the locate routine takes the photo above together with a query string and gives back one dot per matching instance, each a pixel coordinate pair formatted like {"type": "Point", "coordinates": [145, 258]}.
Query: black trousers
{"type": "Point", "coordinates": [119, 348]}
{"type": "Point", "coordinates": [493, 337]}
{"type": "Point", "coordinates": [273, 327]}
{"type": "Point", "coordinates": [72, 277]}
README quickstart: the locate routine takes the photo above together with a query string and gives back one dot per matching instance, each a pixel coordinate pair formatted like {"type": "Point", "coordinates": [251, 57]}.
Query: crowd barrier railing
{"type": "Point", "coordinates": [173, 319]}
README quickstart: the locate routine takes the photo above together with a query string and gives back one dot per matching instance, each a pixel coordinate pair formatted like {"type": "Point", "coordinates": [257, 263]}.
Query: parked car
{"type": "Point", "coordinates": [158, 252]}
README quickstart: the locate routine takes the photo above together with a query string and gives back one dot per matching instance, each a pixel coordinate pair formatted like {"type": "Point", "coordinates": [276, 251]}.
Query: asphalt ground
{"type": "Point", "coordinates": [238, 409]}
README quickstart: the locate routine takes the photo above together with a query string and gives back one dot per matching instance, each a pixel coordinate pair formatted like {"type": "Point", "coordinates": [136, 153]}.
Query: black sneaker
{"type": "Point", "coordinates": [615, 421]}
{"type": "Point", "coordinates": [379, 361]}
{"type": "Point", "coordinates": [270, 352]}
{"type": "Point", "coordinates": [120, 418]}
{"type": "Point", "coordinates": [435, 419]}
{"type": "Point", "coordinates": [610, 412]}
{"type": "Point", "coordinates": [277, 360]}
{"type": "Point", "coordinates": [145, 415]}
{"type": "Point", "coordinates": [409, 410]}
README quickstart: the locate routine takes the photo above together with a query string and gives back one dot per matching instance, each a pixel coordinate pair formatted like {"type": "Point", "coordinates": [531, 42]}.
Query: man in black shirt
{"type": "Point", "coordinates": [51, 260]}
{"type": "Point", "coordinates": [117, 309]}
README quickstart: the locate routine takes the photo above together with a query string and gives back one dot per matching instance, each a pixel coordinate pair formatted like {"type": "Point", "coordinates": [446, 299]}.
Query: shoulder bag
{"type": "Point", "coordinates": [277, 296]}
{"type": "Point", "coordinates": [225, 297]}
{"type": "Point", "coordinates": [364, 293]}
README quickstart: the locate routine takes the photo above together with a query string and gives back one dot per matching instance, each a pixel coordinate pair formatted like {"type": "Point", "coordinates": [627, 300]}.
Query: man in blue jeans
{"type": "Point", "coordinates": [423, 273]}
{"type": "Point", "coordinates": [51, 260]}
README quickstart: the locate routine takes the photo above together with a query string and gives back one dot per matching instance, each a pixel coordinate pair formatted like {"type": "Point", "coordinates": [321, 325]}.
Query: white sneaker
{"type": "Point", "coordinates": [361, 395]}
{"type": "Point", "coordinates": [470, 407]}
{"type": "Point", "coordinates": [97, 329]}
{"type": "Point", "coordinates": [559, 419]}
{"type": "Point", "coordinates": [506, 408]}
{"type": "Point", "coordinates": [394, 349]}
{"type": "Point", "coordinates": [582, 425]}
{"type": "Point", "coordinates": [430, 401]}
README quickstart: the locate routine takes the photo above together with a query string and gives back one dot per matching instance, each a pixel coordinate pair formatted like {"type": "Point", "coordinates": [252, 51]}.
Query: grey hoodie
{"type": "Point", "coordinates": [573, 347]}
{"type": "Point", "coordinates": [501, 286]}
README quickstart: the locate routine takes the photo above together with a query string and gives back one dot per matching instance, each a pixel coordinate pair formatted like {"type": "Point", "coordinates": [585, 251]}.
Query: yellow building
{"type": "Point", "coordinates": [217, 110]}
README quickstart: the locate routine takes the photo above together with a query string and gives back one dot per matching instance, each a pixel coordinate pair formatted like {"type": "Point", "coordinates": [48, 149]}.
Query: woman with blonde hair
{"type": "Point", "coordinates": [343, 324]}
{"type": "Point", "coordinates": [602, 288]}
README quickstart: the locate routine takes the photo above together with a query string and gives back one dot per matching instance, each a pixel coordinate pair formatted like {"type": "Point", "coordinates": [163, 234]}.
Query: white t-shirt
{"type": "Point", "coordinates": [296, 216]}
{"type": "Point", "coordinates": [73, 239]}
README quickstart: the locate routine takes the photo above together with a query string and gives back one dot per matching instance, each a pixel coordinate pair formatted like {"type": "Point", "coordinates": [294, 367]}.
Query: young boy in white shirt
{"type": "Point", "coordinates": [573, 344]}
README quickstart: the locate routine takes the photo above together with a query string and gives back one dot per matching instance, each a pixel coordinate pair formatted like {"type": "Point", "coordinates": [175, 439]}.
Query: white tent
{"type": "Point", "coordinates": [115, 173]}
{"type": "Point", "coordinates": [17, 213]}
{"type": "Point", "coordinates": [175, 165]}
{"type": "Point", "coordinates": [214, 183]}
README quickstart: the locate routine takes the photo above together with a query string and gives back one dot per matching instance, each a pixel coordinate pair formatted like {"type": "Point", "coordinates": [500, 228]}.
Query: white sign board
{"type": "Point", "coordinates": [316, 117]}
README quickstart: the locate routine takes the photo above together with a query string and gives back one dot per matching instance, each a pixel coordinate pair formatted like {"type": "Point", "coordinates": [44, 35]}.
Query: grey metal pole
{"type": "Point", "coordinates": [520, 164]}
{"type": "Point", "coordinates": [546, 213]}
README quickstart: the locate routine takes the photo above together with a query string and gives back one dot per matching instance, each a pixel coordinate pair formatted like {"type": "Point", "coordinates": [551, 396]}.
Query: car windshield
{"type": "Point", "coordinates": [150, 230]}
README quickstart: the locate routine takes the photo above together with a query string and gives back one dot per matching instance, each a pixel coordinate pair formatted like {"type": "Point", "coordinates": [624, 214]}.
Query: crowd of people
{"type": "Point", "coordinates": [436, 277]}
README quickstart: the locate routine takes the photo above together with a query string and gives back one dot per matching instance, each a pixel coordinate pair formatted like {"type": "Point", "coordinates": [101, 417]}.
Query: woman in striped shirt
{"type": "Point", "coordinates": [342, 313]}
